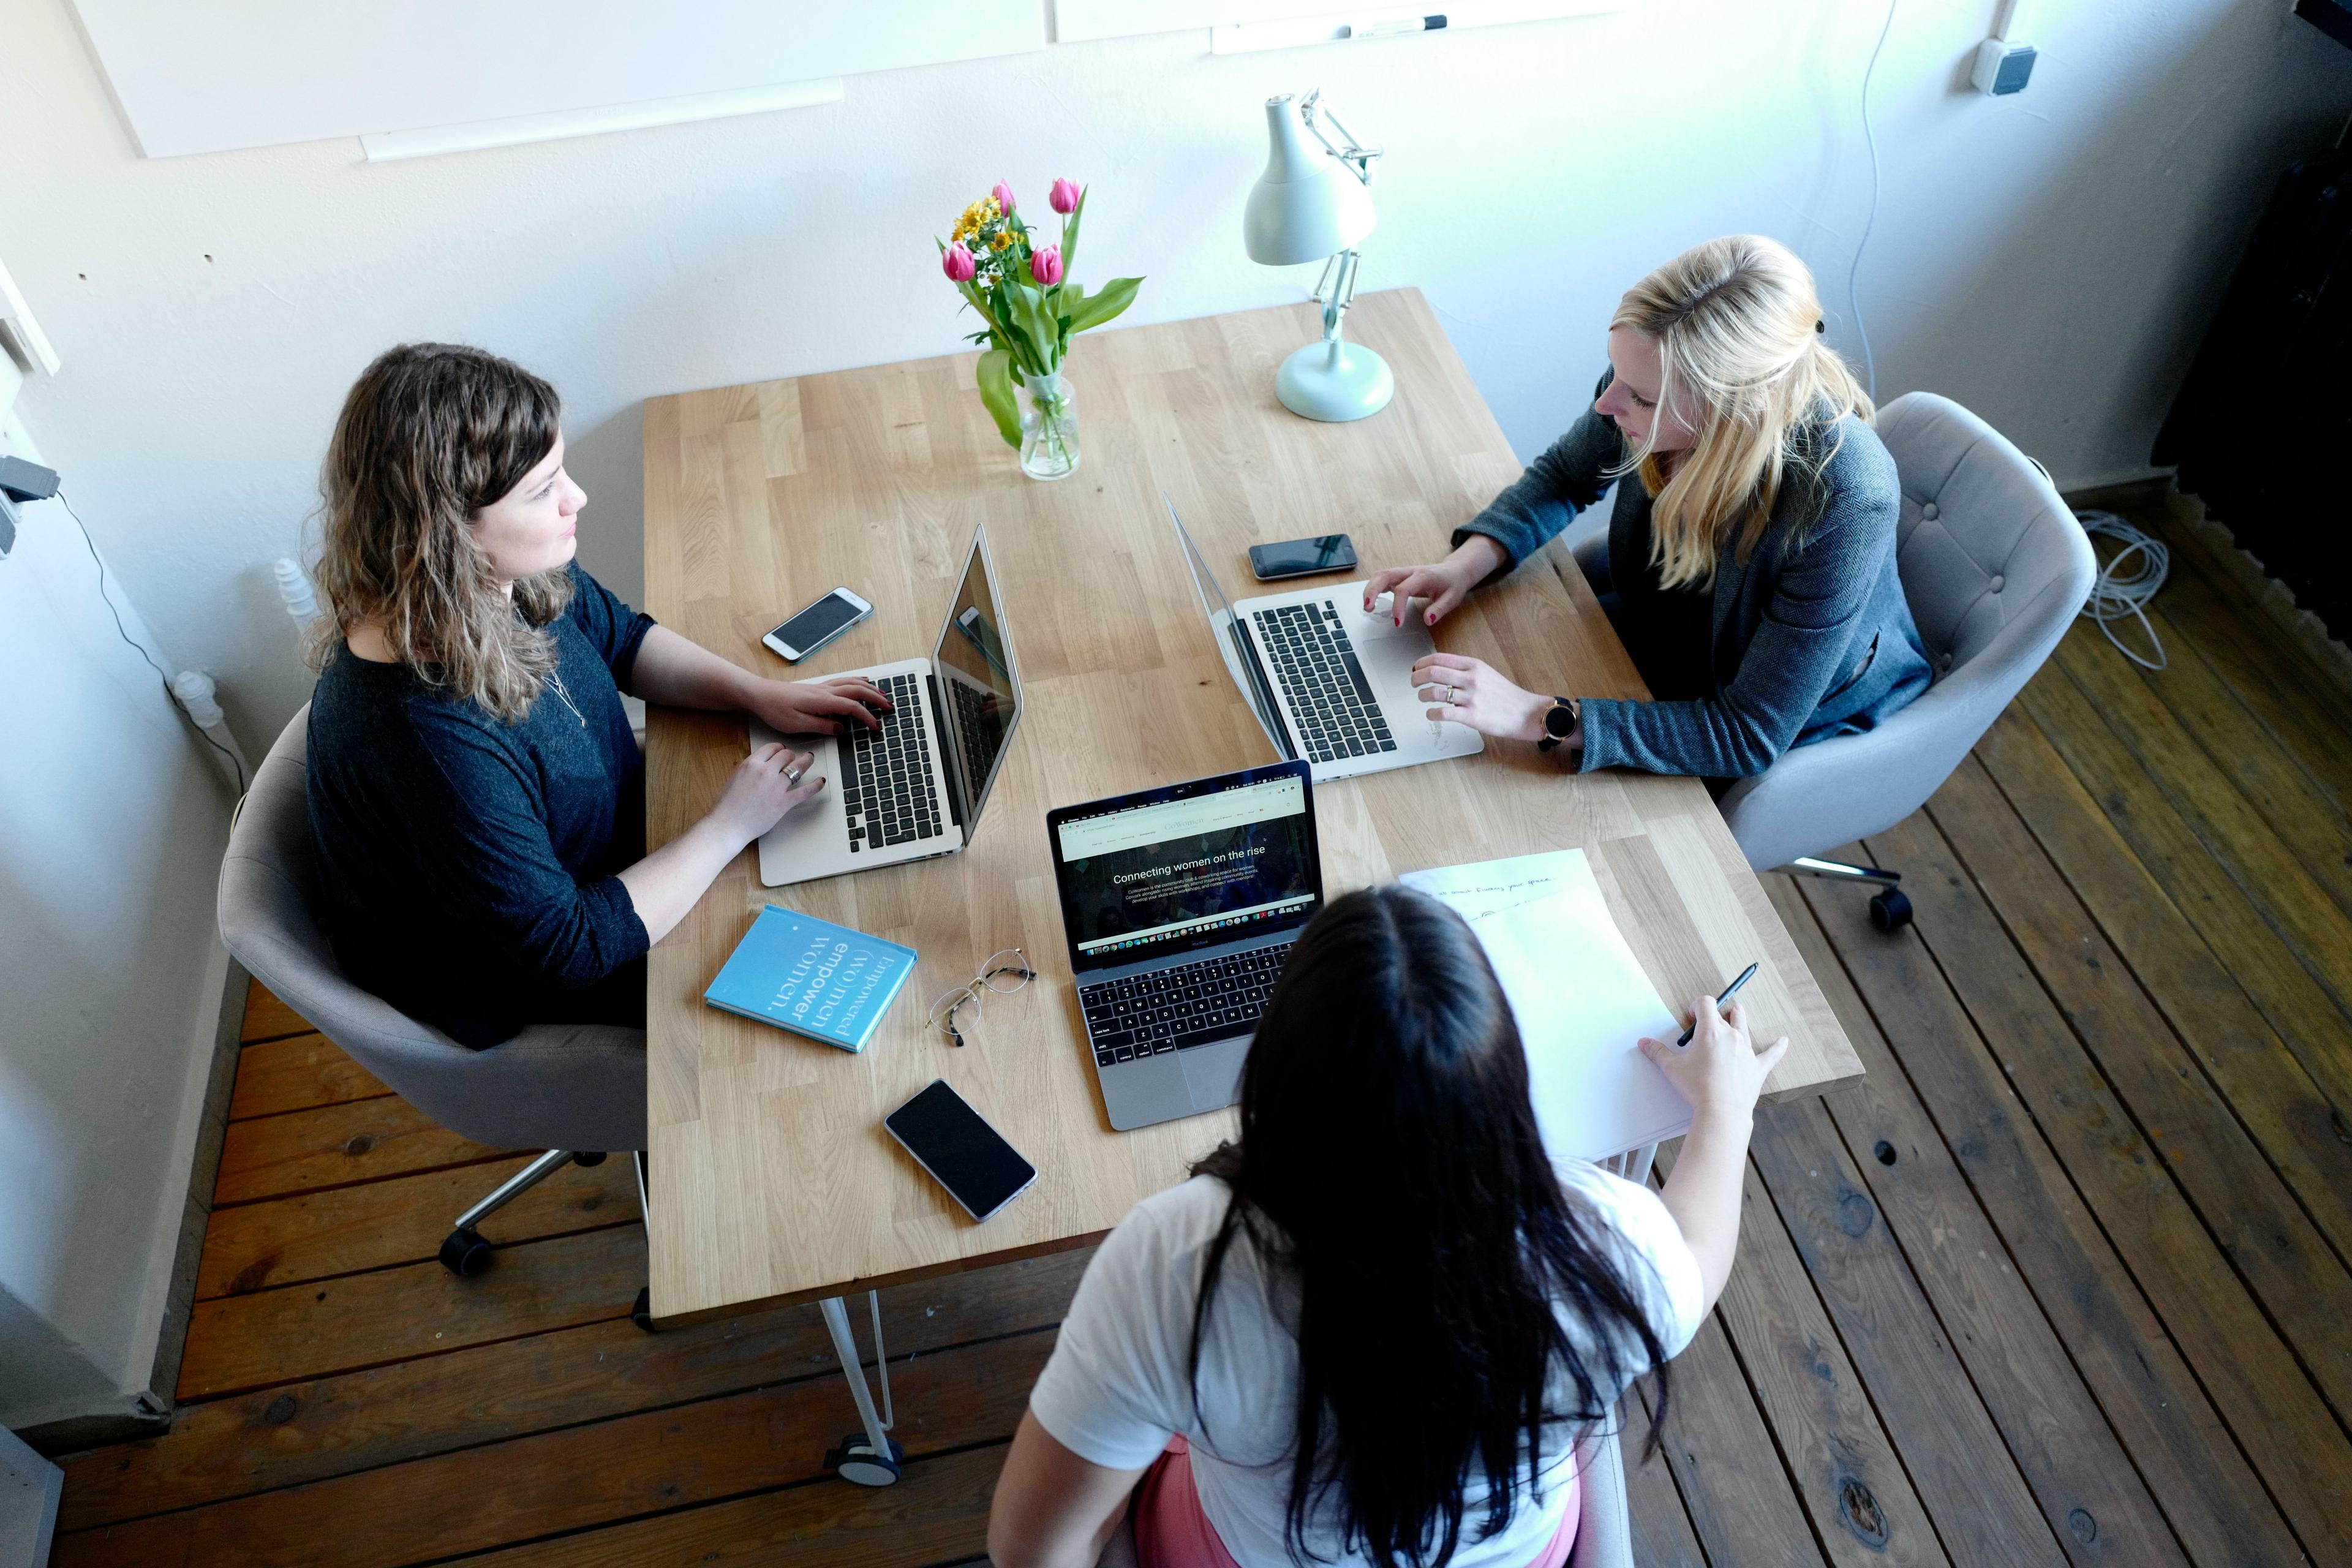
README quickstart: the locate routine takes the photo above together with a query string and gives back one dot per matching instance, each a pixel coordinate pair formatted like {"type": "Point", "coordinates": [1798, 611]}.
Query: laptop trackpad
{"type": "Point", "coordinates": [1213, 1073]}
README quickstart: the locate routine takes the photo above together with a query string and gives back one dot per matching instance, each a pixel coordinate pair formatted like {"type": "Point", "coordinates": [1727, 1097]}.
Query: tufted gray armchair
{"type": "Point", "coordinates": [1995, 568]}
{"type": "Point", "coordinates": [573, 1090]}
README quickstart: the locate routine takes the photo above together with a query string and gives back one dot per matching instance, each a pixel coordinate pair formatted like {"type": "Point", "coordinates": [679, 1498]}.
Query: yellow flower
{"type": "Point", "coordinates": [1004, 239]}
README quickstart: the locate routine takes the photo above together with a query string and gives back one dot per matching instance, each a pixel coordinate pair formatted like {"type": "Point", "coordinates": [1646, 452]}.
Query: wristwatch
{"type": "Point", "coordinates": [1559, 723]}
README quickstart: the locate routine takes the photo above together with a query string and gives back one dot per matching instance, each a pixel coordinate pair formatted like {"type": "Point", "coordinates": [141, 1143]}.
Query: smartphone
{"type": "Point", "coordinates": [818, 625]}
{"type": "Point", "coordinates": [1302, 557]}
{"type": "Point", "coordinates": [960, 1149]}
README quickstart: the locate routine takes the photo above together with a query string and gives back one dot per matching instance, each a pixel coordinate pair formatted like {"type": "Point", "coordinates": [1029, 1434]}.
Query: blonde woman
{"type": "Point", "coordinates": [1751, 565]}
{"type": "Point", "coordinates": [475, 791]}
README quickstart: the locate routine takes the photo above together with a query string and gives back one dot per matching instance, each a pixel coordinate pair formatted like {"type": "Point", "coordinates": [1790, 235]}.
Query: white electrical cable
{"type": "Point", "coordinates": [2127, 580]}
{"type": "Point", "coordinates": [1853, 297]}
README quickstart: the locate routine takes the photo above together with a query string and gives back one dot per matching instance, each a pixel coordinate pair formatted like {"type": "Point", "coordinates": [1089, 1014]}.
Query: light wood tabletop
{"type": "Point", "coordinates": [773, 1179]}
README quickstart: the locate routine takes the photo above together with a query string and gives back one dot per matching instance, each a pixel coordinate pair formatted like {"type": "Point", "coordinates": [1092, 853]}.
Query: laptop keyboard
{"type": "Point", "coordinates": [1180, 1006]}
{"type": "Point", "coordinates": [886, 782]}
{"type": "Point", "coordinates": [1338, 715]}
{"type": "Point", "coordinates": [976, 730]}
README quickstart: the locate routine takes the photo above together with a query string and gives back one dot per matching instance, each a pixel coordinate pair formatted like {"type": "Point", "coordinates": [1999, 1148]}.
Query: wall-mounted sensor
{"type": "Point", "coordinates": [2003, 65]}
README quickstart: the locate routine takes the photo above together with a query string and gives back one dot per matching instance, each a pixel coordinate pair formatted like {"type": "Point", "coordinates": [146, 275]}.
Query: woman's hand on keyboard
{"type": "Point", "coordinates": [1443, 585]}
{"type": "Point", "coordinates": [765, 785]}
{"type": "Point", "coordinates": [817, 707]}
{"type": "Point", "coordinates": [1472, 691]}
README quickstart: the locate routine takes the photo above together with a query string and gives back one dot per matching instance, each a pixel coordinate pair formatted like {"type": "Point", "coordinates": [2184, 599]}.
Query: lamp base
{"type": "Point", "coordinates": [1335, 381]}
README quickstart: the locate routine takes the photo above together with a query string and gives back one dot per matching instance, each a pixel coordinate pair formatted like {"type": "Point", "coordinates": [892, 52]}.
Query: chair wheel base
{"type": "Point", "coordinates": [1890, 911]}
{"type": "Point", "coordinates": [856, 1462]}
{"type": "Point", "coordinates": [588, 1157]}
{"type": "Point", "coordinates": [641, 1310]}
{"type": "Point", "coordinates": [464, 1253]}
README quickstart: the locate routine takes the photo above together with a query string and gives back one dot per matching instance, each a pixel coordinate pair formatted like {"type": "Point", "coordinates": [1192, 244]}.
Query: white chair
{"type": "Point", "coordinates": [1995, 568]}
{"type": "Point", "coordinates": [575, 1090]}
{"type": "Point", "coordinates": [1604, 1530]}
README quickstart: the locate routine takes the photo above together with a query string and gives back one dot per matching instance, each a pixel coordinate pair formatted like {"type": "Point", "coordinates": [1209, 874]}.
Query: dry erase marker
{"type": "Point", "coordinates": [1728, 992]}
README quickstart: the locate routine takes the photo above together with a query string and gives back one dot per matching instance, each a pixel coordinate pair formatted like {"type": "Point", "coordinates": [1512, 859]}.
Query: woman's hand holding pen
{"type": "Point", "coordinates": [1720, 1072]}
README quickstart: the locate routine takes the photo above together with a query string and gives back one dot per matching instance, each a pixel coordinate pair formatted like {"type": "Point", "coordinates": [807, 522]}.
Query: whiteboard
{"type": "Point", "coordinates": [202, 76]}
{"type": "Point", "coordinates": [1241, 26]}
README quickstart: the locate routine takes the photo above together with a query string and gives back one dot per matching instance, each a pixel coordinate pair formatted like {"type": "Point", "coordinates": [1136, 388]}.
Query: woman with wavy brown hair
{"type": "Point", "coordinates": [1751, 565]}
{"type": "Point", "coordinates": [476, 792]}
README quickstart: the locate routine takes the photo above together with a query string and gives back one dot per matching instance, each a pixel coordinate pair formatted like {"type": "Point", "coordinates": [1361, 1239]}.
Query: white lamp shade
{"type": "Point", "coordinates": [1307, 204]}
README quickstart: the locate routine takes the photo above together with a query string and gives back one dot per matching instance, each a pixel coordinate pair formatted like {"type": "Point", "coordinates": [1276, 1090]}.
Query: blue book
{"type": "Point", "coordinates": [813, 977]}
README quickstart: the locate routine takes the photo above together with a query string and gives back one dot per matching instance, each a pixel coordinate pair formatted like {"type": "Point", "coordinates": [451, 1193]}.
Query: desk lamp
{"type": "Point", "coordinates": [1311, 204]}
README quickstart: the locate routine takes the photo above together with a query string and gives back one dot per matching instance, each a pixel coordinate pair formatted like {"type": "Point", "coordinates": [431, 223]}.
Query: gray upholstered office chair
{"type": "Point", "coordinates": [1604, 1530]}
{"type": "Point", "coordinates": [1995, 568]}
{"type": "Point", "coordinates": [573, 1090]}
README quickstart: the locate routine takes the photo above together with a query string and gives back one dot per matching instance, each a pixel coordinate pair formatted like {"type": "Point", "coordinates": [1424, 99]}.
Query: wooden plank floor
{"type": "Point", "coordinates": [2065, 1281]}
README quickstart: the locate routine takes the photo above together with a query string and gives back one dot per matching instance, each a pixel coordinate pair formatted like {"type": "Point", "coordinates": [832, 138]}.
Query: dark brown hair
{"type": "Point", "coordinates": [430, 435]}
{"type": "Point", "coordinates": [1388, 1160]}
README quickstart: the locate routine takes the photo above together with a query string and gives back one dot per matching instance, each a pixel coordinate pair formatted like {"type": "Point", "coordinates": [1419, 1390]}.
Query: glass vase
{"type": "Point", "coordinates": [1049, 428]}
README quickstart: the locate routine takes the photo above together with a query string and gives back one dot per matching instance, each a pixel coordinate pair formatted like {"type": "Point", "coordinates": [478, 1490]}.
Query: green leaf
{"type": "Point", "coordinates": [1043, 331]}
{"type": "Point", "coordinates": [1116, 295]}
{"type": "Point", "coordinates": [1070, 236]}
{"type": "Point", "coordinates": [996, 393]}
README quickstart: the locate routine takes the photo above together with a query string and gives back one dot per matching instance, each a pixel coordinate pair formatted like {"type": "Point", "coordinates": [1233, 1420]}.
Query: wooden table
{"type": "Point", "coordinates": [773, 1181]}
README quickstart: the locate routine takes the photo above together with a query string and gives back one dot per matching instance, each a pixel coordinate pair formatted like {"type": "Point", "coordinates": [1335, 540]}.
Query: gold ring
{"type": "Point", "coordinates": [792, 777]}
{"type": "Point", "coordinates": [1447, 700]}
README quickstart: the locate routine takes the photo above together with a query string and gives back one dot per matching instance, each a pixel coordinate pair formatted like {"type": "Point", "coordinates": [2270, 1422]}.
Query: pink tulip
{"type": "Point", "coordinates": [1065, 197]}
{"type": "Point", "coordinates": [1045, 266]}
{"type": "Point", "coordinates": [958, 264]}
{"type": "Point", "coordinates": [1003, 194]}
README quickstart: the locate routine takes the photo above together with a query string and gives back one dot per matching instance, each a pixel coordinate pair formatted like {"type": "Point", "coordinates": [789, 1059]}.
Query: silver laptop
{"type": "Point", "coordinates": [914, 787]}
{"type": "Point", "coordinates": [1181, 905]}
{"type": "Point", "coordinates": [1330, 683]}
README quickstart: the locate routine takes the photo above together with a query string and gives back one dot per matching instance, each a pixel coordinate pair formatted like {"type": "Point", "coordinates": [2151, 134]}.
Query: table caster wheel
{"type": "Point", "coordinates": [641, 1310]}
{"type": "Point", "coordinates": [588, 1157]}
{"type": "Point", "coordinates": [856, 1462]}
{"type": "Point", "coordinates": [465, 1253]}
{"type": "Point", "coordinates": [1890, 910]}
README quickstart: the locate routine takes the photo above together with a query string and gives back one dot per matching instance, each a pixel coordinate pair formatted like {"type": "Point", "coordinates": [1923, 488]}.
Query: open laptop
{"type": "Point", "coordinates": [1328, 682]}
{"type": "Point", "coordinates": [1181, 905]}
{"type": "Point", "coordinates": [914, 787]}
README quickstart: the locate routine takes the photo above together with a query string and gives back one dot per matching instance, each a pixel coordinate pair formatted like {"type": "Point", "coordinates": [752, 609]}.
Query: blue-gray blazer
{"type": "Point", "coordinates": [1812, 635]}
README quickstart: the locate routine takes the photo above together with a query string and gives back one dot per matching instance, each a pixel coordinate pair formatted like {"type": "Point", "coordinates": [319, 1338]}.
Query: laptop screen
{"type": "Point", "coordinates": [979, 692]}
{"type": "Point", "coordinates": [1169, 870]}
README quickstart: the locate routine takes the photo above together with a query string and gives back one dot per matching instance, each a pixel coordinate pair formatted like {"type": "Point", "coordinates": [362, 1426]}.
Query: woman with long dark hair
{"type": "Point", "coordinates": [1370, 1332]}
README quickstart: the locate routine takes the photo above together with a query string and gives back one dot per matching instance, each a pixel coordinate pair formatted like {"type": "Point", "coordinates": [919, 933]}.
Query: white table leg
{"type": "Point", "coordinates": [872, 1459]}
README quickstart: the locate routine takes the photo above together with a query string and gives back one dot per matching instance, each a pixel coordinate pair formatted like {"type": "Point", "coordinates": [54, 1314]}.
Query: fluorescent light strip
{"type": "Point", "coordinates": [386, 146]}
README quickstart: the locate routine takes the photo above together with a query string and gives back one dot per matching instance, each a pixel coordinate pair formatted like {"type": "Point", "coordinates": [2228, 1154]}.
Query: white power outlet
{"type": "Point", "coordinates": [2003, 65]}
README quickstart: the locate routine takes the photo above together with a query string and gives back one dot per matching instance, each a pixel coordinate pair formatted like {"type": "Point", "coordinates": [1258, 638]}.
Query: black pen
{"type": "Point", "coordinates": [1728, 992]}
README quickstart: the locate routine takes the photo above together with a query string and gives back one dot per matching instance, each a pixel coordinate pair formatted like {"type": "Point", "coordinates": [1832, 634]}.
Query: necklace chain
{"type": "Point", "coordinates": [565, 698]}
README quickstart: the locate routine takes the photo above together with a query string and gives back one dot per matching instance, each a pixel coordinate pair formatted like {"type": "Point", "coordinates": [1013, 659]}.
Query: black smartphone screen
{"type": "Point", "coordinates": [1298, 557]}
{"type": "Point", "coordinates": [968, 1158]}
{"type": "Point", "coordinates": [816, 623]}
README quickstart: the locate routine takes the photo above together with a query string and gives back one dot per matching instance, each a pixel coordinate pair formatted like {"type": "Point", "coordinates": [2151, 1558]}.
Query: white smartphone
{"type": "Point", "coordinates": [963, 1153]}
{"type": "Point", "coordinates": [818, 625]}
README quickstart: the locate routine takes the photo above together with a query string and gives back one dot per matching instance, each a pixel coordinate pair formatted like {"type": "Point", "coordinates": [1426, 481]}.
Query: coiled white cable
{"type": "Point", "coordinates": [2127, 580]}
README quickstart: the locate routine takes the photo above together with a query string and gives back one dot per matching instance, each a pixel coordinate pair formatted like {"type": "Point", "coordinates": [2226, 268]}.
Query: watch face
{"type": "Point", "coordinates": [1559, 721]}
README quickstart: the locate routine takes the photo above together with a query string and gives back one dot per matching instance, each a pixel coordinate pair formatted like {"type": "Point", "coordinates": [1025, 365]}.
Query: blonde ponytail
{"type": "Point", "coordinates": [1737, 325]}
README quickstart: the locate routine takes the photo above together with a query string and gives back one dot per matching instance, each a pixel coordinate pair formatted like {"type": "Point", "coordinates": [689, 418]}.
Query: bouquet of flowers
{"type": "Point", "coordinates": [1019, 287]}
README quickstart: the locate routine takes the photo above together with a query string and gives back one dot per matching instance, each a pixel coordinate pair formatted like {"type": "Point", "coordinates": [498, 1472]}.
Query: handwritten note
{"type": "Point", "coordinates": [1579, 995]}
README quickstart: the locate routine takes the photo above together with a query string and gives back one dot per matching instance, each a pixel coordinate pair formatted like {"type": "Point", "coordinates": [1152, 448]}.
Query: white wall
{"type": "Point", "coordinates": [110, 976]}
{"type": "Point", "coordinates": [2047, 259]}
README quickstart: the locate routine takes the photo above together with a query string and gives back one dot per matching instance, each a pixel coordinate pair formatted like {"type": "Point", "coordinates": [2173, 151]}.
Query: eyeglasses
{"type": "Point", "coordinates": [1006, 971]}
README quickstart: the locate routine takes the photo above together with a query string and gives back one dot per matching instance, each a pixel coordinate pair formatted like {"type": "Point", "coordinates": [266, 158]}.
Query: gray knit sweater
{"type": "Point", "coordinates": [1812, 635]}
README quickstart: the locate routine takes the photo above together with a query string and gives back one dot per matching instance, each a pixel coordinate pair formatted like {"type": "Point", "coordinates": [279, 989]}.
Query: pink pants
{"type": "Point", "coordinates": [1170, 1530]}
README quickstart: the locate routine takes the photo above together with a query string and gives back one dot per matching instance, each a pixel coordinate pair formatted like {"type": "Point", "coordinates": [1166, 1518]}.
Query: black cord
{"type": "Point", "coordinates": [169, 694]}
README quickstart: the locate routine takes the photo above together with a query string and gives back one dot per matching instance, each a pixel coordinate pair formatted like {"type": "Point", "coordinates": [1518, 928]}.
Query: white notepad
{"type": "Point", "coordinates": [1580, 997]}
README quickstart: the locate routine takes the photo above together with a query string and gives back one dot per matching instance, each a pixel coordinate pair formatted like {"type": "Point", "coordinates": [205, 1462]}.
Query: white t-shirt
{"type": "Point", "coordinates": [1119, 1385]}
